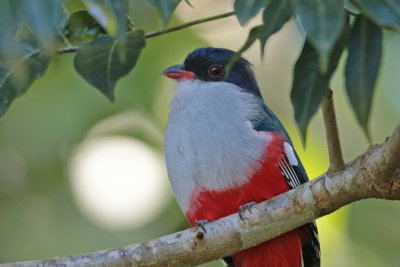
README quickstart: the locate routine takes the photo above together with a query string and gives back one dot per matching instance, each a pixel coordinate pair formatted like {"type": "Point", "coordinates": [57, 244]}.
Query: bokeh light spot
{"type": "Point", "coordinates": [118, 182]}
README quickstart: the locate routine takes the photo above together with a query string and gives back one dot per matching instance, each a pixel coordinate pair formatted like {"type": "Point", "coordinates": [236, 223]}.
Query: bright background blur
{"type": "Point", "coordinates": [79, 174]}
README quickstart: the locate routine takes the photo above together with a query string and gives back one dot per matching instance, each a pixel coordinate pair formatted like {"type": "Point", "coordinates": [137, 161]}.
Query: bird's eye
{"type": "Point", "coordinates": [215, 71]}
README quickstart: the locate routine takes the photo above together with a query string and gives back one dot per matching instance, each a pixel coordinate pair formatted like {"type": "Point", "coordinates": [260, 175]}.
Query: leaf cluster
{"type": "Point", "coordinates": [102, 34]}
{"type": "Point", "coordinates": [330, 28]}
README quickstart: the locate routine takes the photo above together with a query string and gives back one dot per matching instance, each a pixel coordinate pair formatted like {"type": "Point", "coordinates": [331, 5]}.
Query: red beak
{"type": "Point", "coordinates": [177, 72]}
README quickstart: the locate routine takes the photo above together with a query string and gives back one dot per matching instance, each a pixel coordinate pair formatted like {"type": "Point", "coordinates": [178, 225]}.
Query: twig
{"type": "Point", "coordinates": [336, 160]}
{"type": "Point", "coordinates": [68, 49]}
{"type": "Point", "coordinates": [72, 49]}
{"type": "Point", "coordinates": [191, 23]}
{"type": "Point", "coordinates": [267, 220]}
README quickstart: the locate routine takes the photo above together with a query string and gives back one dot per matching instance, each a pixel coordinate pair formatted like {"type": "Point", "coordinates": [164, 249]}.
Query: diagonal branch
{"type": "Point", "coordinates": [374, 174]}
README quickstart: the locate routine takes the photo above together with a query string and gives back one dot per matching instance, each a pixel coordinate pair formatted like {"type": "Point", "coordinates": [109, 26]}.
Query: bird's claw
{"type": "Point", "coordinates": [248, 207]}
{"type": "Point", "coordinates": [201, 223]}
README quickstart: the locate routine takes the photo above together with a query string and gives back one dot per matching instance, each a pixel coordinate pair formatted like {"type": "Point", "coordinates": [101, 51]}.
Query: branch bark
{"type": "Point", "coordinates": [332, 134]}
{"type": "Point", "coordinates": [374, 174]}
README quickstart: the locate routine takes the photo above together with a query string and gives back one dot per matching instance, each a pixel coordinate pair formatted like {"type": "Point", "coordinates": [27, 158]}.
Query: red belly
{"type": "Point", "coordinates": [265, 183]}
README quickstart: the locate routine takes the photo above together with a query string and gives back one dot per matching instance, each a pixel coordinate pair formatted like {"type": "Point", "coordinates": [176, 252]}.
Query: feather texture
{"type": "Point", "coordinates": [216, 146]}
{"type": "Point", "coordinates": [225, 148]}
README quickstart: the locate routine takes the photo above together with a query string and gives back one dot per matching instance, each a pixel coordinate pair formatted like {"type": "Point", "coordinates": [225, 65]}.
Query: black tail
{"type": "Point", "coordinates": [310, 248]}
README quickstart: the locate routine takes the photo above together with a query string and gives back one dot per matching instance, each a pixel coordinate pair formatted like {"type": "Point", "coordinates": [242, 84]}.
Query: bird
{"type": "Point", "coordinates": [226, 150]}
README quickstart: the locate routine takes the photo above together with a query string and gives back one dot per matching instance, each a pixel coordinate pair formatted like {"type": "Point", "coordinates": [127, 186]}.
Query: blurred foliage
{"type": "Point", "coordinates": [20, 69]}
{"type": "Point", "coordinates": [275, 15]}
{"type": "Point", "coordinates": [40, 217]}
{"type": "Point", "coordinates": [247, 9]}
{"type": "Point", "coordinates": [310, 84]}
{"type": "Point", "coordinates": [45, 18]}
{"type": "Point", "coordinates": [166, 8]}
{"type": "Point", "coordinates": [82, 27]}
{"type": "Point", "coordinates": [110, 15]}
{"type": "Point", "coordinates": [323, 21]}
{"type": "Point", "coordinates": [104, 60]}
{"type": "Point", "coordinates": [364, 51]}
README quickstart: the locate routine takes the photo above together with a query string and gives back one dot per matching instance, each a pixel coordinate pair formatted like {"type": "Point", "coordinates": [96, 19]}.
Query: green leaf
{"type": "Point", "coordinates": [275, 15]}
{"type": "Point", "coordinates": [322, 20]}
{"type": "Point", "coordinates": [104, 60]}
{"type": "Point", "coordinates": [385, 13]}
{"type": "Point", "coordinates": [246, 9]}
{"type": "Point", "coordinates": [110, 14]}
{"type": "Point", "coordinates": [45, 18]}
{"type": "Point", "coordinates": [166, 8]}
{"type": "Point", "coordinates": [82, 27]}
{"type": "Point", "coordinates": [362, 66]}
{"type": "Point", "coordinates": [188, 3]}
{"type": "Point", "coordinates": [310, 85]}
{"type": "Point", "coordinates": [351, 8]}
{"type": "Point", "coordinates": [253, 36]}
{"type": "Point", "coordinates": [9, 20]}
{"type": "Point", "coordinates": [29, 63]}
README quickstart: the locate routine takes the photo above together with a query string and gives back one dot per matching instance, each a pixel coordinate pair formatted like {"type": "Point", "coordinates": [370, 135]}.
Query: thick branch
{"type": "Point", "coordinates": [71, 49]}
{"type": "Point", "coordinates": [385, 165]}
{"type": "Point", "coordinates": [376, 173]}
{"type": "Point", "coordinates": [332, 134]}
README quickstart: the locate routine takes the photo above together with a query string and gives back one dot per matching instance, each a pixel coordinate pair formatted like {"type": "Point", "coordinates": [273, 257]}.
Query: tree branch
{"type": "Point", "coordinates": [71, 49]}
{"type": "Point", "coordinates": [332, 134]}
{"type": "Point", "coordinates": [374, 174]}
{"type": "Point", "coordinates": [190, 23]}
{"type": "Point", "coordinates": [68, 49]}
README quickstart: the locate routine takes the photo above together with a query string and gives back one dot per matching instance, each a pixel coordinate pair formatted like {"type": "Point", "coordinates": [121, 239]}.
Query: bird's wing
{"type": "Point", "coordinates": [293, 171]}
{"type": "Point", "coordinates": [289, 165]}
{"type": "Point", "coordinates": [268, 122]}
{"type": "Point", "coordinates": [295, 175]}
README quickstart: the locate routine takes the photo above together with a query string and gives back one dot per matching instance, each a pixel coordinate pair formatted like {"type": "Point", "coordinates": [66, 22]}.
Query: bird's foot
{"type": "Point", "coordinates": [200, 224]}
{"type": "Point", "coordinates": [248, 207]}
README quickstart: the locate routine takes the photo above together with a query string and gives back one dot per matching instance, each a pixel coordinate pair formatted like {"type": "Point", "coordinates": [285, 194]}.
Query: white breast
{"type": "Point", "coordinates": [209, 141]}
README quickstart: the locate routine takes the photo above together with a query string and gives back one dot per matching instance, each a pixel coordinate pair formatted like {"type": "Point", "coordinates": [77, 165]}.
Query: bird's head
{"type": "Point", "coordinates": [209, 65]}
